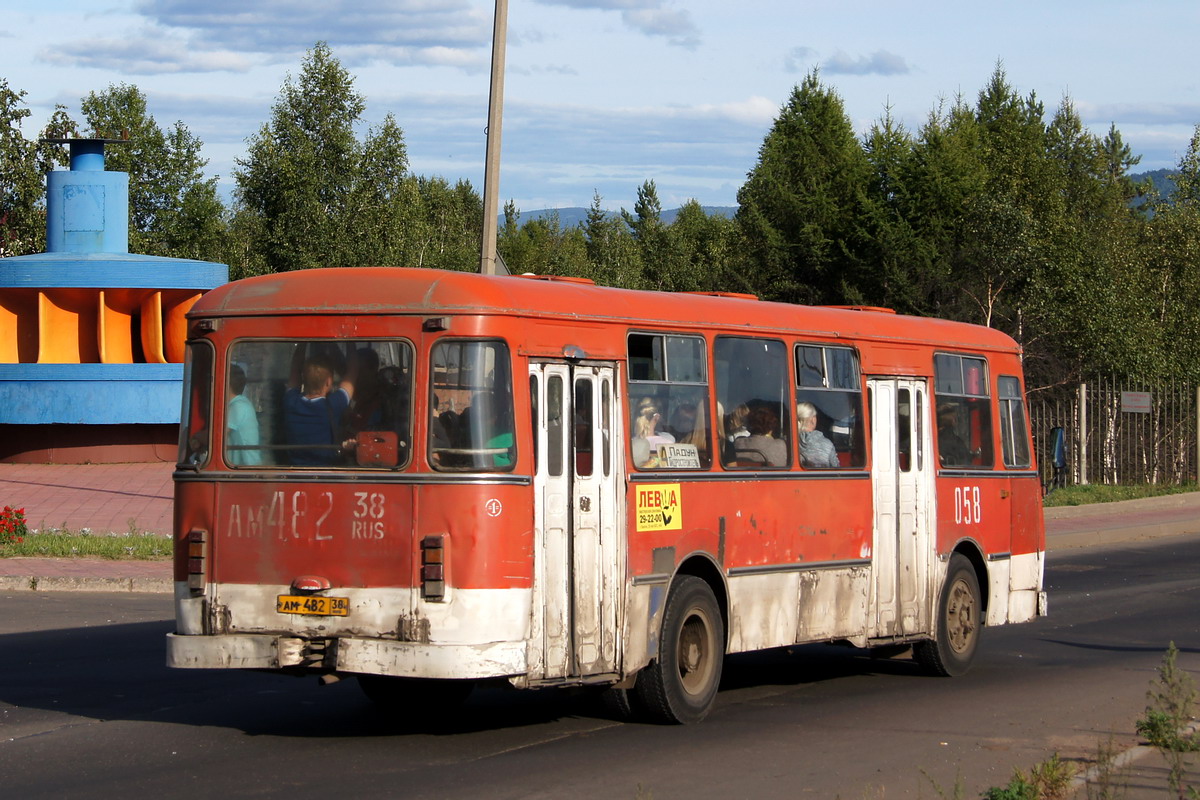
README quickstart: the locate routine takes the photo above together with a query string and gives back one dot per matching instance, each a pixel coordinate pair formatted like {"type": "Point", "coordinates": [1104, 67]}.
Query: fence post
{"type": "Point", "coordinates": [1194, 474]}
{"type": "Point", "coordinates": [1082, 449]}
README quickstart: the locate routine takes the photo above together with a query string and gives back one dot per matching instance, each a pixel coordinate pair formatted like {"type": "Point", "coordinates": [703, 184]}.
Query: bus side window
{"type": "Point", "coordinates": [754, 402]}
{"type": "Point", "coordinates": [829, 391]}
{"type": "Point", "coordinates": [668, 402]}
{"type": "Point", "coordinates": [1014, 433]}
{"type": "Point", "coordinates": [964, 412]}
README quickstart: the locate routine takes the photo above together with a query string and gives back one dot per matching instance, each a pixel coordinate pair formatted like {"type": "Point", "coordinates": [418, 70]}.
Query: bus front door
{"type": "Point", "coordinates": [578, 556]}
{"type": "Point", "coordinates": [902, 471]}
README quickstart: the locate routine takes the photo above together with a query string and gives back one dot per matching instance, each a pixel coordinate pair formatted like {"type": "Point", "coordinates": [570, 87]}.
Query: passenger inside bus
{"type": "Point", "coordinates": [646, 436]}
{"type": "Point", "coordinates": [952, 450]}
{"type": "Point", "coordinates": [816, 451]}
{"type": "Point", "coordinates": [438, 437]}
{"type": "Point", "coordinates": [241, 422]}
{"type": "Point", "coordinates": [683, 422]}
{"type": "Point", "coordinates": [313, 408]}
{"type": "Point", "coordinates": [366, 407]}
{"type": "Point", "coordinates": [762, 445]}
{"type": "Point", "coordinates": [735, 423]}
{"type": "Point", "coordinates": [500, 432]}
{"type": "Point", "coordinates": [697, 435]}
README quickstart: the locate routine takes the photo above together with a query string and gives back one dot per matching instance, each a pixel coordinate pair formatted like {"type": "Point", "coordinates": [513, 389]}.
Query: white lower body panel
{"type": "Point", "coordinates": [477, 633]}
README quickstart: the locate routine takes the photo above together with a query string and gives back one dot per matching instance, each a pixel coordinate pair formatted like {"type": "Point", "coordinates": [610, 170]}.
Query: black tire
{"type": "Point", "coordinates": [623, 705]}
{"type": "Point", "coordinates": [414, 694]}
{"type": "Point", "coordinates": [959, 623]}
{"type": "Point", "coordinates": [681, 684]}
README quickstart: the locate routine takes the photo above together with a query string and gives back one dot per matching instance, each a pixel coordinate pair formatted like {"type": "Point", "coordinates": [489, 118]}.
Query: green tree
{"type": "Point", "coordinates": [905, 273]}
{"type": "Point", "coordinates": [613, 255]}
{"type": "Point", "coordinates": [801, 208]}
{"type": "Point", "coordinates": [449, 223]}
{"type": "Point", "coordinates": [22, 215]}
{"type": "Point", "coordinates": [174, 209]}
{"type": "Point", "coordinates": [321, 196]}
{"type": "Point", "coordinates": [661, 266]}
{"type": "Point", "coordinates": [704, 247]}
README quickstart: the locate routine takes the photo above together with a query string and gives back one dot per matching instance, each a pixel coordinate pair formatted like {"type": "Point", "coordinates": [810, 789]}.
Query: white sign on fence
{"type": "Point", "coordinates": [1135, 402]}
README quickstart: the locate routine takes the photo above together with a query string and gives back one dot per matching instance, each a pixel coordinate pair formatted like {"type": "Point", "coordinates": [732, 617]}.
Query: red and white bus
{"type": "Point", "coordinates": [426, 479]}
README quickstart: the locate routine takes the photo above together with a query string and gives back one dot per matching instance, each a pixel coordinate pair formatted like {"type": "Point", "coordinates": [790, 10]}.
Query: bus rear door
{"type": "Point", "coordinates": [578, 552]}
{"type": "Point", "coordinates": [902, 475]}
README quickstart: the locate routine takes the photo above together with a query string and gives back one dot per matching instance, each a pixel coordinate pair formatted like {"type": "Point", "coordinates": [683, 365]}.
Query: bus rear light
{"type": "Point", "coordinates": [433, 573]}
{"type": "Point", "coordinates": [197, 558]}
{"type": "Point", "coordinates": [311, 583]}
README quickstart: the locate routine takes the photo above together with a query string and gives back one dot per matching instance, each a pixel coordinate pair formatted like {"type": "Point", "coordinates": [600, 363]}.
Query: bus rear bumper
{"type": "Point", "coordinates": [370, 656]}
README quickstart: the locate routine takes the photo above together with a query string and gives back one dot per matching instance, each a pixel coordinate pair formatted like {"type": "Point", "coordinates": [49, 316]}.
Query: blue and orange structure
{"type": "Point", "coordinates": [91, 335]}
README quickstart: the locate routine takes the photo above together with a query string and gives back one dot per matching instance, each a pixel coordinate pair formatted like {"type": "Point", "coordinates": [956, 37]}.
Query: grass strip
{"type": "Point", "coordinates": [1096, 493]}
{"type": "Point", "coordinates": [132, 545]}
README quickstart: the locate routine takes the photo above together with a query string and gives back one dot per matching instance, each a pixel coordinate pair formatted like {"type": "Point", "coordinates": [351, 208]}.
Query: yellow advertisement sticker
{"type": "Point", "coordinates": [658, 507]}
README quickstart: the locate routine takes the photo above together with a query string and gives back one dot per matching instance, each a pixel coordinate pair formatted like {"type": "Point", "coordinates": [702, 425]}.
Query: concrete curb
{"type": "Point", "coordinates": [33, 583]}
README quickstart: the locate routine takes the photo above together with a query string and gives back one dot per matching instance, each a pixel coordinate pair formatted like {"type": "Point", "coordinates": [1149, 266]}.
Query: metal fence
{"type": "Point", "coordinates": [1117, 433]}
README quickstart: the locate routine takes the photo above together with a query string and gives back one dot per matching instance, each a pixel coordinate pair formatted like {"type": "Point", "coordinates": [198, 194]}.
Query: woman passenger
{"type": "Point", "coordinates": [815, 450]}
{"type": "Point", "coordinates": [763, 425]}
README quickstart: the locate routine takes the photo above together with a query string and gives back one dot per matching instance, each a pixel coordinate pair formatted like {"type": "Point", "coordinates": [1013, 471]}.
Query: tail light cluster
{"type": "Point", "coordinates": [433, 568]}
{"type": "Point", "coordinates": [197, 559]}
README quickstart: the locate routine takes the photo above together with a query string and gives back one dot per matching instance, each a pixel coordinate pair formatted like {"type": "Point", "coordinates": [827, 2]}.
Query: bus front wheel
{"type": "Point", "coordinates": [681, 684]}
{"type": "Point", "coordinates": [958, 623]}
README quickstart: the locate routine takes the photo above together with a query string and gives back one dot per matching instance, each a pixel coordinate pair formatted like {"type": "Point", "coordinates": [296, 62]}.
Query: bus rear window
{"type": "Point", "coordinates": [326, 403]}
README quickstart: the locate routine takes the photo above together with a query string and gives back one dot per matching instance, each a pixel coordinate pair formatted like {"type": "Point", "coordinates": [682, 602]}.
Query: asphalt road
{"type": "Point", "coordinates": [87, 709]}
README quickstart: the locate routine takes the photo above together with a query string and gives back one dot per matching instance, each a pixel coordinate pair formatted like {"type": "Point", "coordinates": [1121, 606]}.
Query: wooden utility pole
{"type": "Point", "coordinates": [491, 176]}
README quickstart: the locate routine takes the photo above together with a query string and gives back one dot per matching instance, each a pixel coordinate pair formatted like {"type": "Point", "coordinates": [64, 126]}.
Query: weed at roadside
{"type": "Point", "coordinates": [1049, 780]}
{"type": "Point", "coordinates": [1167, 724]}
{"type": "Point", "coordinates": [1107, 780]}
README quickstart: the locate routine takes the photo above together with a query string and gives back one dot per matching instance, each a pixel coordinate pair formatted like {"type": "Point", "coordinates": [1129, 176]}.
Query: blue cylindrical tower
{"type": "Point", "coordinates": [91, 336]}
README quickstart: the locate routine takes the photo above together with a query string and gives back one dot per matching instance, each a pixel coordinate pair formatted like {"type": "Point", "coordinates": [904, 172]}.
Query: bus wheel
{"type": "Point", "coordinates": [623, 704]}
{"type": "Point", "coordinates": [414, 693]}
{"type": "Point", "coordinates": [681, 684]}
{"type": "Point", "coordinates": [958, 623]}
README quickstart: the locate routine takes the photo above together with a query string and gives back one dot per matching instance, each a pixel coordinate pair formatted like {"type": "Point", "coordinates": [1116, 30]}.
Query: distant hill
{"type": "Point", "coordinates": [570, 217]}
{"type": "Point", "coordinates": [1160, 178]}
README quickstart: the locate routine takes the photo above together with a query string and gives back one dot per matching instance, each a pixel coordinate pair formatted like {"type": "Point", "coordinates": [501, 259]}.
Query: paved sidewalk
{"type": "Point", "coordinates": [100, 497]}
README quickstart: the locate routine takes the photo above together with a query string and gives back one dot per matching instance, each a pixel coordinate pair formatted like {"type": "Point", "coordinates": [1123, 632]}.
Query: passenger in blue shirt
{"type": "Point", "coordinates": [313, 409]}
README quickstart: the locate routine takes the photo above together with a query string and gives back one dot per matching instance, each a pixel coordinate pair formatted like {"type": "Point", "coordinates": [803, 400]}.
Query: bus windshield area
{"type": "Point", "coordinates": [318, 403]}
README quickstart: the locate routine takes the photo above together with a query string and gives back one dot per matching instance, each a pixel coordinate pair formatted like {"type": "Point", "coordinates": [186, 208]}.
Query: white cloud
{"type": "Point", "coordinates": [799, 59]}
{"type": "Point", "coordinates": [1147, 113]}
{"type": "Point", "coordinates": [650, 17]}
{"type": "Point", "coordinates": [880, 62]}
{"type": "Point", "coordinates": [149, 53]}
{"type": "Point", "coordinates": [285, 25]}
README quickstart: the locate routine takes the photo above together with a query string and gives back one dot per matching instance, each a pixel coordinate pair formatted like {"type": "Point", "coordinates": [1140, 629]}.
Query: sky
{"type": "Point", "coordinates": [603, 95]}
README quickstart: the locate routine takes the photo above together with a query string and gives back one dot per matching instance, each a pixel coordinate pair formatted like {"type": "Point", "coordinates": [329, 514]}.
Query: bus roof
{"type": "Point", "coordinates": [431, 292]}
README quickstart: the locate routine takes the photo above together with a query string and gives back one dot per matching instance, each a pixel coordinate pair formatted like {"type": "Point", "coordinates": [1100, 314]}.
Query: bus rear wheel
{"type": "Point", "coordinates": [958, 623]}
{"type": "Point", "coordinates": [680, 686]}
{"type": "Point", "coordinates": [414, 694]}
